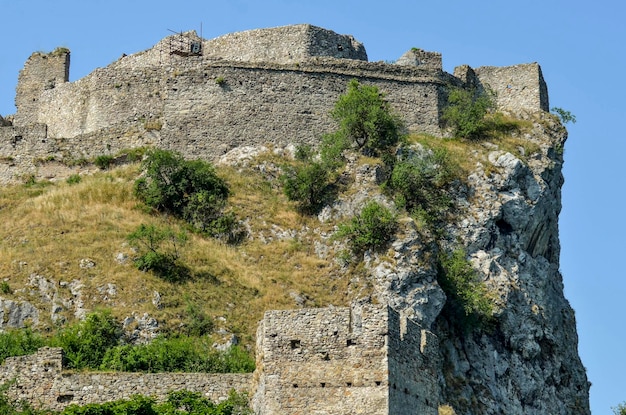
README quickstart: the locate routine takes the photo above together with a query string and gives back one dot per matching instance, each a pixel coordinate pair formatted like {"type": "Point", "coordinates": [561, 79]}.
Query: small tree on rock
{"type": "Point", "coordinates": [366, 120]}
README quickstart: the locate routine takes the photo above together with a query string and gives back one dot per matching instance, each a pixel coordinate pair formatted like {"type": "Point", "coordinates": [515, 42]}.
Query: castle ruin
{"type": "Point", "coordinates": [203, 98]}
{"type": "Point", "coordinates": [339, 361]}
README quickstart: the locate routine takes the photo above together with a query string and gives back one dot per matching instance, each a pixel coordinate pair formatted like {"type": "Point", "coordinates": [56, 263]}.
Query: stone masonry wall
{"type": "Point", "coordinates": [413, 367]}
{"type": "Point", "coordinates": [286, 44]}
{"type": "Point", "coordinates": [517, 87]}
{"type": "Point", "coordinates": [278, 105]}
{"type": "Point", "coordinates": [41, 72]}
{"type": "Point", "coordinates": [268, 86]}
{"type": "Point", "coordinates": [40, 380]}
{"type": "Point", "coordinates": [322, 361]}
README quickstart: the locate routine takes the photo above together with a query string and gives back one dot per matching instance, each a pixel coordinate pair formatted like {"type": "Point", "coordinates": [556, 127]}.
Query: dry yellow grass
{"type": "Point", "coordinates": [48, 229]}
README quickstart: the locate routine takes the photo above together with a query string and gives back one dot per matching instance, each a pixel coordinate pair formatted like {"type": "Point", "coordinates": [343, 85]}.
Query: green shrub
{"type": "Point", "coordinates": [19, 342]}
{"type": "Point", "coordinates": [420, 182]}
{"type": "Point", "coordinates": [73, 179]}
{"type": "Point", "coordinates": [466, 112]}
{"type": "Point", "coordinates": [198, 322]}
{"type": "Point", "coordinates": [177, 403]}
{"type": "Point", "coordinates": [158, 251]}
{"type": "Point", "coordinates": [564, 115]}
{"type": "Point", "coordinates": [190, 190]}
{"type": "Point", "coordinates": [136, 405]}
{"type": "Point", "coordinates": [366, 120]}
{"type": "Point", "coordinates": [469, 304]}
{"type": "Point", "coordinates": [371, 229]}
{"type": "Point", "coordinates": [104, 161]}
{"type": "Point", "coordinates": [620, 409]}
{"type": "Point", "coordinates": [177, 354]}
{"type": "Point", "coordinates": [86, 343]}
{"type": "Point", "coordinates": [307, 184]}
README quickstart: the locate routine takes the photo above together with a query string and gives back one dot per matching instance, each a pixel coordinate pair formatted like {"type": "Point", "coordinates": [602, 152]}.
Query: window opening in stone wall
{"type": "Point", "coordinates": [378, 383]}
{"type": "Point", "coordinates": [65, 398]}
{"type": "Point", "coordinates": [323, 384]}
{"type": "Point", "coordinates": [348, 384]}
{"type": "Point", "coordinates": [350, 342]}
{"type": "Point", "coordinates": [295, 385]}
{"type": "Point", "coordinates": [295, 344]}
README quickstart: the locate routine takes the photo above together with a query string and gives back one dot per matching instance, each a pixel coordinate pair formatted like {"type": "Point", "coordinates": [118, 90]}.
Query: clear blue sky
{"type": "Point", "coordinates": [579, 45]}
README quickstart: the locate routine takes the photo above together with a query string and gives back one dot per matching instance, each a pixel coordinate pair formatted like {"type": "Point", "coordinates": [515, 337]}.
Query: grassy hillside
{"type": "Point", "coordinates": [49, 228]}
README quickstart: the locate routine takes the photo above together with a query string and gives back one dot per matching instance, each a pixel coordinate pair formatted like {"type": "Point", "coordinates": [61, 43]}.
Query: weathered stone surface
{"type": "Point", "coordinates": [530, 363]}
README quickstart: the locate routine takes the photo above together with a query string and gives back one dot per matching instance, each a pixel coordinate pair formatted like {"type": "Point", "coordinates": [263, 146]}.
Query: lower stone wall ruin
{"type": "Point", "coordinates": [41, 380]}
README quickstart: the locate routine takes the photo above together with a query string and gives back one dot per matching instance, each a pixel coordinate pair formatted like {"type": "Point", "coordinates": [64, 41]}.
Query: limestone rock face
{"type": "Point", "coordinates": [529, 363]}
{"type": "Point", "coordinates": [507, 223]}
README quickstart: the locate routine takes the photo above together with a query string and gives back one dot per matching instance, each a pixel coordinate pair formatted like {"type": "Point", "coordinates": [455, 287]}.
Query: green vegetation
{"type": "Point", "coordinates": [190, 190]}
{"type": "Point", "coordinates": [365, 119]}
{"type": "Point", "coordinates": [370, 229]}
{"type": "Point", "coordinates": [95, 344]}
{"type": "Point", "coordinates": [181, 402]}
{"type": "Point", "coordinates": [307, 183]}
{"type": "Point", "coordinates": [158, 250]}
{"type": "Point", "coordinates": [220, 81]}
{"type": "Point", "coordinates": [420, 181]}
{"type": "Point", "coordinates": [565, 116]}
{"type": "Point", "coordinates": [365, 122]}
{"type": "Point", "coordinates": [177, 354]}
{"type": "Point", "coordinates": [19, 342]}
{"type": "Point", "coordinates": [85, 343]}
{"type": "Point", "coordinates": [466, 112]}
{"type": "Point", "coordinates": [620, 409]}
{"type": "Point", "coordinates": [73, 179]}
{"type": "Point", "coordinates": [469, 305]}
{"type": "Point", "coordinates": [104, 161]}
{"type": "Point", "coordinates": [5, 288]}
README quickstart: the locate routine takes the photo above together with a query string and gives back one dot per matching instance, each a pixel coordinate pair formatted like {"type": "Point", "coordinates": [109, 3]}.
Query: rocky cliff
{"type": "Point", "coordinates": [506, 221]}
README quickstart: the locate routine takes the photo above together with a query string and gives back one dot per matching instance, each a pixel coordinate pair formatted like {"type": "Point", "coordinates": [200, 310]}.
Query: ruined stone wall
{"type": "Point", "coordinates": [322, 361]}
{"type": "Point", "coordinates": [102, 99]}
{"type": "Point", "coordinates": [40, 379]}
{"type": "Point", "coordinates": [518, 88]}
{"type": "Point", "coordinates": [286, 44]}
{"type": "Point", "coordinates": [279, 105]}
{"type": "Point", "coordinates": [270, 86]}
{"type": "Point", "coordinates": [41, 72]}
{"type": "Point", "coordinates": [413, 367]}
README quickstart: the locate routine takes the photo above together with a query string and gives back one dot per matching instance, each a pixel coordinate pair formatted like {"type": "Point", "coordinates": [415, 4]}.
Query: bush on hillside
{"type": "Point", "coordinates": [466, 112]}
{"type": "Point", "coordinates": [85, 343]}
{"type": "Point", "coordinates": [188, 189]}
{"type": "Point", "coordinates": [372, 228]}
{"type": "Point", "coordinates": [306, 183]}
{"type": "Point", "coordinates": [158, 251]}
{"type": "Point", "coordinates": [19, 342]}
{"type": "Point", "coordinates": [420, 182]}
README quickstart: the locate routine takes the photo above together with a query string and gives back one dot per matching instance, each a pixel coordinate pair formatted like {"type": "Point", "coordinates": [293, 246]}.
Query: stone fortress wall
{"type": "Point", "coordinates": [364, 359]}
{"type": "Point", "coordinates": [266, 86]}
